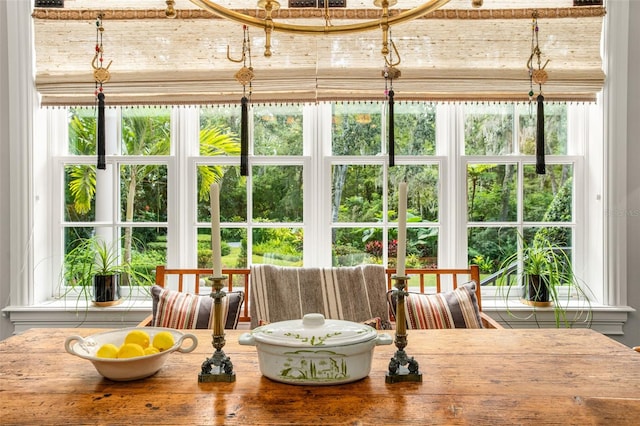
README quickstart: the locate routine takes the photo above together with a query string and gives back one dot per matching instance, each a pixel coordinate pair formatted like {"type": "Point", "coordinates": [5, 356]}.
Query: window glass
{"type": "Point", "coordinates": [421, 250]}
{"type": "Point", "coordinates": [77, 261]}
{"type": "Point", "coordinates": [356, 193]}
{"type": "Point", "coordinates": [233, 248]}
{"type": "Point", "coordinates": [143, 192]}
{"type": "Point", "coordinates": [356, 129]}
{"type": "Point", "coordinates": [491, 192]}
{"type": "Point", "coordinates": [146, 131]}
{"type": "Point", "coordinates": [220, 131]}
{"type": "Point", "coordinates": [422, 192]}
{"type": "Point", "coordinates": [82, 131]}
{"type": "Point", "coordinates": [277, 130]}
{"type": "Point", "coordinates": [548, 197]}
{"type": "Point", "coordinates": [555, 128]}
{"type": "Point", "coordinates": [79, 188]}
{"type": "Point", "coordinates": [414, 128]}
{"type": "Point", "coordinates": [144, 248]}
{"type": "Point", "coordinates": [488, 129]}
{"type": "Point", "coordinates": [233, 193]}
{"type": "Point", "coordinates": [350, 246]}
{"type": "Point", "coordinates": [277, 193]}
{"type": "Point", "coordinates": [488, 247]}
{"type": "Point", "coordinates": [277, 246]}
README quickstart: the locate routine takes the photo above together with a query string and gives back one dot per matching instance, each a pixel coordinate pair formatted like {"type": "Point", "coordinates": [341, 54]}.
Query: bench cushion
{"type": "Point", "coordinates": [181, 310]}
{"type": "Point", "coordinates": [451, 309]}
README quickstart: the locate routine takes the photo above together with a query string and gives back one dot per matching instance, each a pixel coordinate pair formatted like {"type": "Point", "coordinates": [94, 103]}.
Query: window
{"type": "Point", "coordinates": [318, 190]}
{"type": "Point", "coordinates": [124, 205]}
{"type": "Point", "coordinates": [505, 196]}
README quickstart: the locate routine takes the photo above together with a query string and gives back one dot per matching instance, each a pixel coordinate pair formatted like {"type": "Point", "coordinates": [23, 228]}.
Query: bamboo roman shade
{"type": "Point", "coordinates": [454, 53]}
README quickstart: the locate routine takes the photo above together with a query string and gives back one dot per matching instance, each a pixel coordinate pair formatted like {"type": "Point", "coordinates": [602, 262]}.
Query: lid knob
{"type": "Point", "coordinates": [313, 320]}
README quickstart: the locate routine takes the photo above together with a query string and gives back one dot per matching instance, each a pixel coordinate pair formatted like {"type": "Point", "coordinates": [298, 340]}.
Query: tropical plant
{"type": "Point", "coordinates": [94, 256]}
{"type": "Point", "coordinates": [543, 272]}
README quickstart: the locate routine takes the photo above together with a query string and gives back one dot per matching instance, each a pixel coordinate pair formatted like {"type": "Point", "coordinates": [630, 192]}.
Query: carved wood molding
{"type": "Point", "coordinates": [462, 14]}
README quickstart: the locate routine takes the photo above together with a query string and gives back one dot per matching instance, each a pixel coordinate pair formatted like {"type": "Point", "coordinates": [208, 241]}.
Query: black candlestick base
{"type": "Point", "coordinates": [397, 371]}
{"type": "Point", "coordinates": [217, 368]}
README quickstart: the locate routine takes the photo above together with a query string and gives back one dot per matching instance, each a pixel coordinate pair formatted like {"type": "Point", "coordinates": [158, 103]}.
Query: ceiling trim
{"type": "Point", "coordinates": [359, 14]}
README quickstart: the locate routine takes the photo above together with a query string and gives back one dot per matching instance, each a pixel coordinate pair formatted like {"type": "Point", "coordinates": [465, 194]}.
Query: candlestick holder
{"type": "Point", "coordinates": [217, 368]}
{"type": "Point", "coordinates": [397, 370]}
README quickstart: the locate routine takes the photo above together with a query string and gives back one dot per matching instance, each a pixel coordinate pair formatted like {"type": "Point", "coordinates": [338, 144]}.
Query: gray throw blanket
{"type": "Point", "coordinates": [347, 293]}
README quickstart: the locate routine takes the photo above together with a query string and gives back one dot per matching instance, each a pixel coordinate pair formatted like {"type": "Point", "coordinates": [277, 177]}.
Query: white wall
{"type": "Point", "coordinates": [632, 328]}
{"type": "Point", "coordinates": [5, 325]}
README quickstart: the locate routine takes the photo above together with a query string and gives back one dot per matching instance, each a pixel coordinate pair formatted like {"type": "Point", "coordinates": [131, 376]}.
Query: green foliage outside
{"type": "Point", "coordinates": [357, 190]}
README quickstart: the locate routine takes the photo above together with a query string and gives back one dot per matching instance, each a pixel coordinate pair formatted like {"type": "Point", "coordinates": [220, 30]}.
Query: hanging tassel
{"type": "Point", "coordinates": [540, 166]}
{"type": "Point", "coordinates": [101, 133]}
{"type": "Point", "coordinates": [244, 137]}
{"type": "Point", "coordinates": [392, 139]}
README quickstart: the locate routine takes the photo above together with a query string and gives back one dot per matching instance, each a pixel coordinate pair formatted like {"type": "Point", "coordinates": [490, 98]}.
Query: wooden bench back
{"type": "Point", "coordinates": [236, 278]}
{"type": "Point", "coordinates": [239, 278]}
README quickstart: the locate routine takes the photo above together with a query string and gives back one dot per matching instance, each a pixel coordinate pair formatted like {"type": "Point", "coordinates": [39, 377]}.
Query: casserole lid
{"type": "Point", "coordinates": [313, 330]}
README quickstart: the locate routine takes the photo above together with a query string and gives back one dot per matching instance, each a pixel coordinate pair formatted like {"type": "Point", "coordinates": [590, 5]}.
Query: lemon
{"type": "Point", "coordinates": [163, 340]}
{"type": "Point", "coordinates": [108, 350]}
{"type": "Point", "coordinates": [151, 350]}
{"type": "Point", "coordinates": [130, 350]}
{"type": "Point", "coordinates": [139, 337]}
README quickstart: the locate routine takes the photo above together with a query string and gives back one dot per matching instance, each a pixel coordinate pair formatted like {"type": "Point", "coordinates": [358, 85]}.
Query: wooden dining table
{"type": "Point", "coordinates": [469, 377]}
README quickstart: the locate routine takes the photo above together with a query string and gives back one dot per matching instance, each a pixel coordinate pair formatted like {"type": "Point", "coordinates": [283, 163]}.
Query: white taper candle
{"type": "Point", "coordinates": [214, 195]}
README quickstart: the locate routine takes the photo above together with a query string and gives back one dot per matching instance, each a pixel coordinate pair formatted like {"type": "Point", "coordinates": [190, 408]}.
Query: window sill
{"type": "Point", "coordinates": [608, 320]}
{"type": "Point", "coordinates": [605, 319]}
{"type": "Point", "coordinates": [74, 314]}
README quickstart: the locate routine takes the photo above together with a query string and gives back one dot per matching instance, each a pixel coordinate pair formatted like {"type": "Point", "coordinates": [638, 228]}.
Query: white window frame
{"type": "Point", "coordinates": [184, 159]}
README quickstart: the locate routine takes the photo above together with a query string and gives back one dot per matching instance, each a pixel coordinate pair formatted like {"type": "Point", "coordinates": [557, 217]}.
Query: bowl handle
{"type": "Point", "coordinates": [68, 344]}
{"type": "Point", "coordinates": [194, 343]}
{"type": "Point", "coordinates": [384, 339]}
{"type": "Point", "coordinates": [247, 339]}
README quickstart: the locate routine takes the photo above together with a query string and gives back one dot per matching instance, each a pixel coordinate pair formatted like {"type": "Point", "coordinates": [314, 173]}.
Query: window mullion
{"type": "Point", "coordinates": [452, 217]}
{"type": "Point", "coordinates": [182, 184]}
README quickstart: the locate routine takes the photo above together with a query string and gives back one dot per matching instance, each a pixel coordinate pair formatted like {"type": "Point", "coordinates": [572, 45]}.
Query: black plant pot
{"type": "Point", "coordinates": [106, 290]}
{"type": "Point", "coordinates": [538, 291]}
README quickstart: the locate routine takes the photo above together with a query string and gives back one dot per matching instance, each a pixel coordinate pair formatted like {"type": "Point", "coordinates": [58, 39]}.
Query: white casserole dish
{"type": "Point", "coordinates": [315, 350]}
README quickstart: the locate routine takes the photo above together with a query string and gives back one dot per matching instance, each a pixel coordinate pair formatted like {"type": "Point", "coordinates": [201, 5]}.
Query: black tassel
{"type": "Point", "coordinates": [392, 138]}
{"type": "Point", "coordinates": [244, 137]}
{"type": "Point", "coordinates": [101, 133]}
{"type": "Point", "coordinates": [540, 167]}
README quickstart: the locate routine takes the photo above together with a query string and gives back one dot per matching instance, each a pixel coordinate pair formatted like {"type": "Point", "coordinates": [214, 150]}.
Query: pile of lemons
{"type": "Point", "coordinates": [137, 343]}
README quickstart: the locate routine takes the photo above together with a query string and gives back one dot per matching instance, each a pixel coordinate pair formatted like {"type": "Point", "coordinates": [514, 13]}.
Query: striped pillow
{"type": "Point", "coordinates": [180, 310]}
{"type": "Point", "coordinates": [451, 309]}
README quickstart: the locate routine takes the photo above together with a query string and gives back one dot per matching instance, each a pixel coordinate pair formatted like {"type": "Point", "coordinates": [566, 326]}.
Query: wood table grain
{"type": "Point", "coordinates": [470, 377]}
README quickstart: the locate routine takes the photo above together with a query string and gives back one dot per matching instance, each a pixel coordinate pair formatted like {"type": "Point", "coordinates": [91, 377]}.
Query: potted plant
{"type": "Point", "coordinates": [545, 279]}
{"type": "Point", "coordinates": [93, 268]}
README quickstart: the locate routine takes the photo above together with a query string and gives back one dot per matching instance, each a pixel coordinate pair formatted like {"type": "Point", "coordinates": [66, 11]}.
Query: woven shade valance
{"type": "Point", "coordinates": [455, 53]}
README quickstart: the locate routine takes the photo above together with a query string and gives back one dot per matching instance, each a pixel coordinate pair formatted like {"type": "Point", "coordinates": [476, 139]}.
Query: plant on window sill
{"type": "Point", "coordinates": [545, 280]}
{"type": "Point", "coordinates": [93, 272]}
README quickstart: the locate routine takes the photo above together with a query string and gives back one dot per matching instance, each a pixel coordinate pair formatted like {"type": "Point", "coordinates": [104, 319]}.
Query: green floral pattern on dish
{"type": "Point", "coordinates": [313, 340]}
{"type": "Point", "coordinates": [329, 368]}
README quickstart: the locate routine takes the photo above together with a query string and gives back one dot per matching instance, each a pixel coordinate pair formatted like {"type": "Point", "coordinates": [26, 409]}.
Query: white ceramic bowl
{"type": "Point", "coordinates": [128, 368]}
{"type": "Point", "coordinates": [315, 350]}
